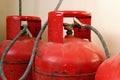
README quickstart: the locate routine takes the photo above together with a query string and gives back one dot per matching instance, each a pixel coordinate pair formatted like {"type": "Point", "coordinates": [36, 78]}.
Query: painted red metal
{"type": "Point", "coordinates": [14, 23]}
{"type": "Point", "coordinates": [17, 58]}
{"type": "Point", "coordinates": [68, 58]}
{"type": "Point", "coordinates": [109, 69]}
{"type": "Point", "coordinates": [57, 17]}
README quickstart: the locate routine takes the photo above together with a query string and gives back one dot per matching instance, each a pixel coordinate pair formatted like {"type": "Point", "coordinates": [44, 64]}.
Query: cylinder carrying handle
{"type": "Point", "coordinates": [55, 24]}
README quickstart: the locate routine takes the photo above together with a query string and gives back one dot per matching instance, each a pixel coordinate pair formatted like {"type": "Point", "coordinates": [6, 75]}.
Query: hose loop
{"type": "Point", "coordinates": [98, 34]}
{"type": "Point", "coordinates": [7, 49]}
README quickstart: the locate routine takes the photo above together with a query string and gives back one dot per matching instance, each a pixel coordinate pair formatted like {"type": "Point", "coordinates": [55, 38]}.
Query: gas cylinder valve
{"type": "Point", "coordinates": [70, 27]}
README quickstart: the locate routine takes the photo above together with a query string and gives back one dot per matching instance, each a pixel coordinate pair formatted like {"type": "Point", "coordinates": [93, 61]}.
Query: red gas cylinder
{"type": "Point", "coordinates": [69, 58]}
{"type": "Point", "coordinates": [13, 25]}
{"type": "Point", "coordinates": [109, 69]}
{"type": "Point", "coordinates": [17, 58]}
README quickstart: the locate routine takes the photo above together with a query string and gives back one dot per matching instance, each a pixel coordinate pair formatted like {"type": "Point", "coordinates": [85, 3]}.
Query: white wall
{"type": "Point", "coordinates": [3, 12]}
{"type": "Point", "coordinates": [108, 19]}
{"type": "Point", "coordinates": [105, 16]}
